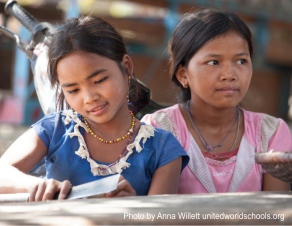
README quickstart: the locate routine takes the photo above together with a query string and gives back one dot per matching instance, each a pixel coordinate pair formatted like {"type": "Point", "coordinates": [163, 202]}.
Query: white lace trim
{"type": "Point", "coordinates": [145, 132]}
{"type": "Point", "coordinates": [163, 121]}
{"type": "Point", "coordinates": [221, 163]}
{"type": "Point", "coordinates": [269, 127]}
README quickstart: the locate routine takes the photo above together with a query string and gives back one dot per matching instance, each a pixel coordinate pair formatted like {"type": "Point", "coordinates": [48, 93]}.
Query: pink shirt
{"type": "Point", "coordinates": [239, 173]}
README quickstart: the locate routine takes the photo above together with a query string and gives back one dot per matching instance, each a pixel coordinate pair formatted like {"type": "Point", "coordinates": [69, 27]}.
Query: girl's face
{"type": "Point", "coordinates": [219, 74]}
{"type": "Point", "coordinates": [94, 85]}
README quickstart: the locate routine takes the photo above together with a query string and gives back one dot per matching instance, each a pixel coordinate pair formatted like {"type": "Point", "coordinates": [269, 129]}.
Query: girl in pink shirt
{"type": "Point", "coordinates": [211, 63]}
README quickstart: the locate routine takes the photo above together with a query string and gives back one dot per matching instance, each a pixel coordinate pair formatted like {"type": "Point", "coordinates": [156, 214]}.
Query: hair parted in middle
{"type": "Point", "coordinates": [88, 34]}
{"type": "Point", "coordinates": [196, 29]}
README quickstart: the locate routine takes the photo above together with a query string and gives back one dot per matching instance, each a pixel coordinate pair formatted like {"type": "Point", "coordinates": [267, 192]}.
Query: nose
{"type": "Point", "coordinates": [228, 73]}
{"type": "Point", "coordinates": [90, 96]}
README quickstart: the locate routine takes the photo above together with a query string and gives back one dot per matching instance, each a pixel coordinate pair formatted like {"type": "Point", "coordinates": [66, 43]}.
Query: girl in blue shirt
{"type": "Point", "coordinates": [98, 136]}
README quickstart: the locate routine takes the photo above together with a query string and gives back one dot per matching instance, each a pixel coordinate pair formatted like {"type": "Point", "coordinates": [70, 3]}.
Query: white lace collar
{"type": "Point", "coordinates": [145, 132]}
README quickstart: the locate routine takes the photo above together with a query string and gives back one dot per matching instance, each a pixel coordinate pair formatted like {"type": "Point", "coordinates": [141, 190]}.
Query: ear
{"type": "Point", "coordinates": [127, 63]}
{"type": "Point", "coordinates": [181, 75]}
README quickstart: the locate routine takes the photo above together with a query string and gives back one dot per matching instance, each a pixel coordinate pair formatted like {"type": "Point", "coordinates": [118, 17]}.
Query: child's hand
{"type": "Point", "coordinates": [47, 189]}
{"type": "Point", "coordinates": [123, 189]}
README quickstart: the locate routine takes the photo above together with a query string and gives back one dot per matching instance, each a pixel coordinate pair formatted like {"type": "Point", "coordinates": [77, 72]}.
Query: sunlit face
{"type": "Point", "coordinates": [219, 74]}
{"type": "Point", "coordinates": [93, 85]}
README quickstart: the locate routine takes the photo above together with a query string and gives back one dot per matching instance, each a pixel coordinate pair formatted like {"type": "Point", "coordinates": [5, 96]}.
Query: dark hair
{"type": "Point", "coordinates": [194, 31]}
{"type": "Point", "coordinates": [89, 34]}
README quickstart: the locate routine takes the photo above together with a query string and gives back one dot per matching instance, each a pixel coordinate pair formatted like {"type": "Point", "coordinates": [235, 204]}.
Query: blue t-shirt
{"type": "Point", "coordinates": [58, 132]}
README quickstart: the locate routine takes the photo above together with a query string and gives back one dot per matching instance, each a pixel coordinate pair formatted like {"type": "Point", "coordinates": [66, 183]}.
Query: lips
{"type": "Point", "coordinates": [96, 108]}
{"type": "Point", "coordinates": [230, 89]}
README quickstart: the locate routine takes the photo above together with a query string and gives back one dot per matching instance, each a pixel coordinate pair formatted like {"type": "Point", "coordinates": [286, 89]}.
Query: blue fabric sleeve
{"type": "Point", "coordinates": [45, 128]}
{"type": "Point", "coordinates": [171, 149]}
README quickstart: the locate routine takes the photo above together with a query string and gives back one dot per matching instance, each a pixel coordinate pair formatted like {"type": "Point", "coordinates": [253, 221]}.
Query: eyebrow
{"type": "Point", "coordinates": [242, 54]}
{"type": "Point", "coordinates": [93, 74]}
{"type": "Point", "coordinates": [218, 55]}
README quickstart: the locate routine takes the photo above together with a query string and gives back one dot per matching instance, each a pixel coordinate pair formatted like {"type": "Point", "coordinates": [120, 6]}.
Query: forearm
{"type": "Point", "coordinates": [14, 181]}
{"type": "Point", "coordinates": [166, 178]}
{"type": "Point", "coordinates": [271, 183]}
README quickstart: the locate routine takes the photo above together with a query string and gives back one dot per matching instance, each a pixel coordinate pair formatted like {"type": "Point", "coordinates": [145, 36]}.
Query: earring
{"type": "Point", "coordinates": [185, 85]}
{"type": "Point", "coordinates": [129, 79]}
{"type": "Point", "coordinates": [129, 83]}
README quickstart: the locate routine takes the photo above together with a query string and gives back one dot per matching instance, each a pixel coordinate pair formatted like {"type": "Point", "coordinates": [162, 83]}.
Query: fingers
{"type": "Point", "coordinates": [47, 189]}
{"type": "Point", "coordinates": [32, 193]}
{"type": "Point", "coordinates": [49, 192]}
{"type": "Point", "coordinates": [37, 191]}
{"type": "Point", "coordinates": [123, 189]}
{"type": "Point", "coordinates": [65, 189]}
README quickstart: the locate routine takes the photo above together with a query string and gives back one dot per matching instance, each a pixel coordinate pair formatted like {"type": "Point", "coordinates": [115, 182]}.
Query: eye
{"type": "Point", "coordinates": [241, 61]}
{"type": "Point", "coordinates": [213, 62]}
{"type": "Point", "coordinates": [101, 80]}
{"type": "Point", "coordinates": [73, 91]}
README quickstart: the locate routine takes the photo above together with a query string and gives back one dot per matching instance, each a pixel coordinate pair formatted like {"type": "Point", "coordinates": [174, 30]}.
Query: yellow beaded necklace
{"type": "Point", "coordinates": [130, 131]}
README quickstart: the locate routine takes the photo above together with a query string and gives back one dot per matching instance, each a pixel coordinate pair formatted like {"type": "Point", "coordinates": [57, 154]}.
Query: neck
{"type": "Point", "coordinates": [212, 117]}
{"type": "Point", "coordinates": [213, 132]}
